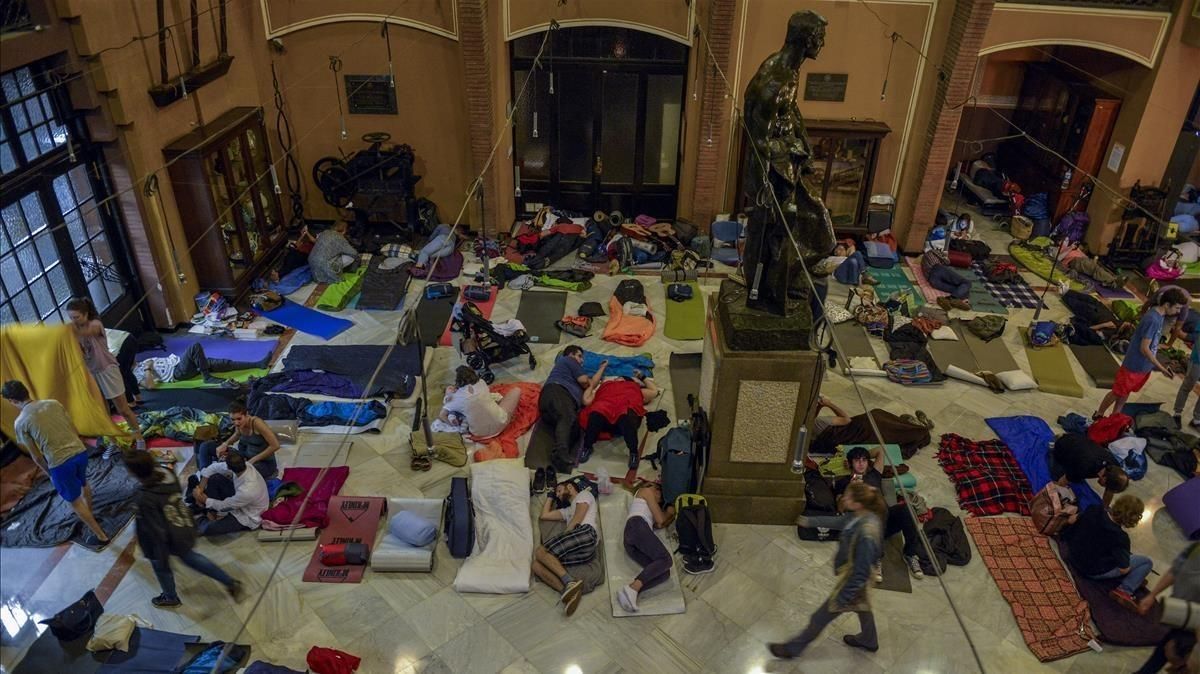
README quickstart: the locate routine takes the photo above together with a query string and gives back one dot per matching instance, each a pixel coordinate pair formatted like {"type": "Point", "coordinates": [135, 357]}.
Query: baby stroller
{"type": "Point", "coordinates": [482, 346]}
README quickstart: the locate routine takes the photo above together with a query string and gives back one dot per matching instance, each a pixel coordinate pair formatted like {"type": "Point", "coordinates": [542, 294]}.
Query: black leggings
{"type": "Point", "coordinates": [627, 427]}
{"type": "Point", "coordinates": [195, 363]}
{"type": "Point", "coordinates": [126, 359]}
{"type": "Point", "coordinates": [645, 548]}
{"type": "Point", "coordinates": [1184, 640]}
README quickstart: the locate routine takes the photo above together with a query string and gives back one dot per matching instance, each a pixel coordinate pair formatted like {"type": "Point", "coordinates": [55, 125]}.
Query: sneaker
{"type": "Point", "coordinates": [1125, 599]}
{"type": "Point", "coordinates": [627, 598]}
{"type": "Point", "coordinates": [551, 479]}
{"type": "Point", "coordinates": [165, 601]}
{"type": "Point", "coordinates": [959, 304]}
{"type": "Point", "coordinates": [868, 279]}
{"type": "Point", "coordinates": [539, 481]}
{"type": "Point", "coordinates": [570, 597]}
{"type": "Point", "coordinates": [924, 419]}
{"type": "Point", "coordinates": [780, 651]}
{"type": "Point", "coordinates": [696, 566]}
{"type": "Point", "coordinates": [854, 642]}
{"type": "Point", "coordinates": [944, 303]}
{"type": "Point", "coordinates": [914, 566]}
{"type": "Point", "coordinates": [110, 450]}
{"type": "Point", "coordinates": [877, 572]}
{"type": "Point", "coordinates": [236, 591]}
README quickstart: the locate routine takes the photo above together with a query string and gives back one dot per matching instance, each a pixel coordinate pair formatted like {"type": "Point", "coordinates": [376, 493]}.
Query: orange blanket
{"type": "Point", "coordinates": [625, 329]}
{"type": "Point", "coordinates": [504, 445]}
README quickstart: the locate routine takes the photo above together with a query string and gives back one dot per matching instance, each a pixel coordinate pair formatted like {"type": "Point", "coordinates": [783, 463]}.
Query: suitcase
{"type": "Point", "coordinates": [960, 258]}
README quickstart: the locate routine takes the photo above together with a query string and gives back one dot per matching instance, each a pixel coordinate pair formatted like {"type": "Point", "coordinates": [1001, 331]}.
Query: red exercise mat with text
{"type": "Point", "coordinates": [352, 519]}
{"type": "Point", "coordinates": [484, 307]}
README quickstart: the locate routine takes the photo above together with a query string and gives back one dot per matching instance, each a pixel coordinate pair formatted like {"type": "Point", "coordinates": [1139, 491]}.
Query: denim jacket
{"type": "Point", "coordinates": [858, 550]}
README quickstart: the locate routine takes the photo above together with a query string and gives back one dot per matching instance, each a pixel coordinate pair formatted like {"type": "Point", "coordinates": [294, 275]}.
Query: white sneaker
{"type": "Point", "coordinates": [627, 598]}
{"type": "Point", "coordinates": [877, 572]}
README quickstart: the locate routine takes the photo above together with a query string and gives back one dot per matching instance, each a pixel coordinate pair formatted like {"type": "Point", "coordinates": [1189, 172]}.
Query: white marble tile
{"type": "Point", "coordinates": [442, 617]}
{"type": "Point", "coordinates": [479, 649]}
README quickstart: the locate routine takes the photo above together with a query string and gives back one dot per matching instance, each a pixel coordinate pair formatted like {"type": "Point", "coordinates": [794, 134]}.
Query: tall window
{"type": "Point", "coordinates": [58, 240]}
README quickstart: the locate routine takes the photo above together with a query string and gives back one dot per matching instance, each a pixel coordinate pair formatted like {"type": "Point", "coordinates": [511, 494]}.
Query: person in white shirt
{"type": "Point", "coordinates": [643, 546]}
{"type": "Point", "coordinates": [234, 497]}
{"type": "Point", "coordinates": [194, 363]}
{"type": "Point", "coordinates": [470, 406]}
{"type": "Point", "coordinates": [576, 545]}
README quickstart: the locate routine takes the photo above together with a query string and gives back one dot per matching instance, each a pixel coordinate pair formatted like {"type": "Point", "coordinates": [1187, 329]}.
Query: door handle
{"type": "Point", "coordinates": [598, 166]}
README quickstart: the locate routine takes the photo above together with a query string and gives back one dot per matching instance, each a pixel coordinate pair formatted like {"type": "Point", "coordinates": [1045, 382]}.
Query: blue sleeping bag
{"type": "Point", "coordinates": [618, 366]}
{"type": "Point", "coordinates": [1029, 439]}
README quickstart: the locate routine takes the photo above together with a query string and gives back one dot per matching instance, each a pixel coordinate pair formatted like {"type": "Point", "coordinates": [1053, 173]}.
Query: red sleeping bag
{"type": "Point", "coordinates": [316, 510]}
{"type": "Point", "coordinates": [960, 258]}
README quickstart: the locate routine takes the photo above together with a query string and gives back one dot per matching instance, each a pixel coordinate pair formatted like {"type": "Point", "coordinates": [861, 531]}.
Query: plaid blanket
{"type": "Point", "coordinates": [1054, 620]}
{"type": "Point", "coordinates": [1016, 295]}
{"type": "Point", "coordinates": [987, 477]}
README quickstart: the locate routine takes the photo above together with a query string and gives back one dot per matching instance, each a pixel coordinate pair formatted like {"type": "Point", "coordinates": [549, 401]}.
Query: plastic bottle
{"type": "Point", "coordinates": [605, 483]}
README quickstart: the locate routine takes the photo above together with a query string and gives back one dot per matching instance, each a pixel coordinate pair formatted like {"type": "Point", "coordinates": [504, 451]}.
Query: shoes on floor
{"type": "Point", "coordinates": [924, 419]}
{"type": "Point", "coordinates": [236, 591]}
{"type": "Point", "coordinates": [1126, 600]}
{"type": "Point", "coordinates": [944, 303]}
{"type": "Point", "coordinates": [779, 651]}
{"type": "Point", "coordinates": [570, 597]}
{"type": "Point", "coordinates": [539, 481]}
{"type": "Point", "coordinates": [868, 279]}
{"type": "Point", "coordinates": [854, 642]}
{"type": "Point", "coordinates": [696, 565]}
{"type": "Point", "coordinates": [964, 305]}
{"type": "Point", "coordinates": [166, 601]}
{"type": "Point", "coordinates": [551, 479]}
{"type": "Point", "coordinates": [914, 566]}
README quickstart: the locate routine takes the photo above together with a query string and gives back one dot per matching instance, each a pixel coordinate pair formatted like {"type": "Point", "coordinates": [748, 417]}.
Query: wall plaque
{"type": "Point", "coordinates": [370, 95]}
{"type": "Point", "coordinates": [825, 87]}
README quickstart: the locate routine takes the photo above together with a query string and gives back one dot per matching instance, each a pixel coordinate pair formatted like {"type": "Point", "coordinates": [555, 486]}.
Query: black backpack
{"type": "Point", "coordinates": [693, 525]}
{"type": "Point", "coordinates": [458, 522]}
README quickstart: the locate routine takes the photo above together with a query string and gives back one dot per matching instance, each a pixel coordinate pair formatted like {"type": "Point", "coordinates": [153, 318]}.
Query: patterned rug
{"type": "Point", "coordinates": [931, 294]}
{"type": "Point", "coordinates": [987, 478]}
{"type": "Point", "coordinates": [1054, 620]}
{"type": "Point", "coordinates": [1015, 295]}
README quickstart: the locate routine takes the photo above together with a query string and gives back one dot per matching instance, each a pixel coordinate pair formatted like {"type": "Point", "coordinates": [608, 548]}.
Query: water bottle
{"type": "Point", "coordinates": [605, 483]}
{"type": "Point", "coordinates": [1066, 181]}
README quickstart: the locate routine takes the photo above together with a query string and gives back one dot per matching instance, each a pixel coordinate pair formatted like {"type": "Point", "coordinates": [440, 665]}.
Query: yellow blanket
{"type": "Point", "coordinates": [48, 360]}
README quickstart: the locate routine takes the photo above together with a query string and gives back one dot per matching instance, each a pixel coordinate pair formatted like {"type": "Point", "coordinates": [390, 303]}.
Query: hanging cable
{"type": "Point", "coordinates": [888, 71]}
{"type": "Point", "coordinates": [335, 66]}
{"type": "Point", "coordinates": [387, 38]}
{"type": "Point", "coordinates": [291, 169]}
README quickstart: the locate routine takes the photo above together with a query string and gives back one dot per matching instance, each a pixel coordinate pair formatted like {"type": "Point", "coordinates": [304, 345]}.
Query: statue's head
{"type": "Point", "coordinates": [806, 32]}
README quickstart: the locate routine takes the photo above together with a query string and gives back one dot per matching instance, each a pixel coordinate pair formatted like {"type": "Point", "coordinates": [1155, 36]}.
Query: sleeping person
{"type": "Point", "coordinates": [576, 545]}
{"type": "Point", "coordinates": [471, 408]}
{"type": "Point", "coordinates": [615, 407]}
{"type": "Point", "coordinates": [644, 546]}
{"type": "Point", "coordinates": [193, 363]}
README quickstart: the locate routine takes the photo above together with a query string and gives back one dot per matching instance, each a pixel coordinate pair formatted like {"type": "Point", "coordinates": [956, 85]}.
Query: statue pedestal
{"type": "Point", "coordinates": [747, 329]}
{"type": "Point", "coordinates": [757, 401]}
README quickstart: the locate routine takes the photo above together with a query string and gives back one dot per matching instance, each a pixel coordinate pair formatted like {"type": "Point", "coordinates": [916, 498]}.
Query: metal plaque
{"type": "Point", "coordinates": [370, 95]}
{"type": "Point", "coordinates": [825, 87]}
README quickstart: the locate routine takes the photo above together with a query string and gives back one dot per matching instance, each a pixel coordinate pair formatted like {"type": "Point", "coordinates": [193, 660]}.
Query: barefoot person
{"type": "Point", "coordinates": [576, 545]}
{"type": "Point", "coordinates": [46, 431]}
{"type": "Point", "coordinates": [85, 320]}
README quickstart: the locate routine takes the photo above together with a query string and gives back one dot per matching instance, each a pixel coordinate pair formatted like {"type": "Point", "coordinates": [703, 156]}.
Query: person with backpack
{"type": "Point", "coordinates": [644, 546]}
{"type": "Point", "coordinates": [616, 406]}
{"type": "Point", "coordinates": [859, 547]}
{"type": "Point", "coordinates": [576, 545]}
{"type": "Point", "coordinates": [1141, 359]}
{"type": "Point", "coordinates": [165, 528]}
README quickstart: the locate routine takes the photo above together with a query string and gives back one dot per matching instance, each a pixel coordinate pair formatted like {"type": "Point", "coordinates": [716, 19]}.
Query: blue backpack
{"type": "Point", "coordinates": [458, 522]}
{"type": "Point", "coordinates": [676, 462]}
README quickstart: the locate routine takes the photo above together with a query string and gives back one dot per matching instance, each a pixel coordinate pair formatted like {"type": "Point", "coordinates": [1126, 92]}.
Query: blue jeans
{"type": "Point", "coordinates": [849, 271]}
{"type": "Point", "coordinates": [208, 456]}
{"type": "Point", "coordinates": [440, 244]}
{"type": "Point", "coordinates": [1139, 568]}
{"type": "Point", "coordinates": [944, 278]}
{"type": "Point", "coordinates": [166, 579]}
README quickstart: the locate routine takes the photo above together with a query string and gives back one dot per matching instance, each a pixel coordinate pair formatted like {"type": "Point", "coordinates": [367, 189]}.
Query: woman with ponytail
{"type": "Point", "coordinates": [858, 549]}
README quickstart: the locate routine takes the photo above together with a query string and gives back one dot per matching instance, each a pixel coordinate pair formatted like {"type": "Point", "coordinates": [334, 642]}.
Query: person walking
{"type": "Point", "coordinates": [85, 320]}
{"type": "Point", "coordinates": [46, 431]}
{"type": "Point", "coordinates": [165, 529]}
{"type": "Point", "coordinates": [858, 549]}
{"type": "Point", "coordinates": [1142, 357]}
{"type": "Point", "coordinates": [1189, 383]}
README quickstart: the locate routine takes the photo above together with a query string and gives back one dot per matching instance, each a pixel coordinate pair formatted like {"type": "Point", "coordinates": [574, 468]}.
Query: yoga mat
{"type": "Point", "coordinates": [1112, 293]}
{"type": "Point", "coordinates": [485, 307]}
{"type": "Point", "coordinates": [895, 569]}
{"type": "Point", "coordinates": [1036, 262]}
{"type": "Point", "coordinates": [947, 352]}
{"type": "Point", "coordinates": [853, 342]}
{"type": "Point", "coordinates": [981, 300]}
{"type": "Point", "coordinates": [1118, 625]}
{"type": "Point", "coordinates": [685, 378]}
{"type": "Point", "coordinates": [1051, 368]}
{"type": "Point", "coordinates": [992, 356]}
{"type": "Point", "coordinates": [538, 311]}
{"type": "Point", "coordinates": [352, 519]}
{"type": "Point", "coordinates": [308, 320]}
{"type": "Point", "coordinates": [245, 350]}
{"type": "Point", "coordinates": [207, 399]}
{"type": "Point", "coordinates": [199, 383]}
{"type": "Point", "coordinates": [894, 280]}
{"type": "Point", "coordinates": [685, 320]}
{"type": "Point", "coordinates": [1046, 605]}
{"type": "Point", "coordinates": [1098, 362]}
{"type": "Point", "coordinates": [663, 599]}
{"type": "Point", "coordinates": [433, 317]}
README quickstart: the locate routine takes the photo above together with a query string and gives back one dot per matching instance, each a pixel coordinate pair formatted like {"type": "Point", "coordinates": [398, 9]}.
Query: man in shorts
{"type": "Point", "coordinates": [576, 545]}
{"type": "Point", "coordinates": [46, 431]}
{"type": "Point", "coordinates": [1141, 358]}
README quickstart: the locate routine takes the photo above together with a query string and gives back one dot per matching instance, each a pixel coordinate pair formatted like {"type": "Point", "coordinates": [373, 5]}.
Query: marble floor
{"type": "Point", "coordinates": [765, 584]}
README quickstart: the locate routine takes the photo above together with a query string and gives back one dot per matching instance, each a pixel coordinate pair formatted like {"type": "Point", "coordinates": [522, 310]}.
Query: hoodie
{"type": "Point", "coordinates": [164, 524]}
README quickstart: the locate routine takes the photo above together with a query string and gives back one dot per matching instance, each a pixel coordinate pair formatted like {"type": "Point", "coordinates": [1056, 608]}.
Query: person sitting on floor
{"type": "Point", "coordinates": [576, 545]}
{"type": "Point", "coordinates": [616, 406]}
{"type": "Point", "coordinates": [1075, 458]}
{"type": "Point", "coordinates": [935, 264]}
{"type": "Point", "coordinates": [194, 363]}
{"type": "Point", "coordinates": [559, 403]}
{"type": "Point", "coordinates": [470, 407]}
{"type": "Point", "coordinates": [963, 227]}
{"type": "Point", "coordinates": [1081, 266]}
{"type": "Point", "coordinates": [44, 429]}
{"type": "Point", "coordinates": [1100, 547]}
{"type": "Point", "coordinates": [165, 528]}
{"type": "Point", "coordinates": [254, 439]}
{"type": "Point", "coordinates": [331, 254]}
{"type": "Point", "coordinates": [644, 546]}
{"type": "Point", "coordinates": [1141, 358]}
{"type": "Point", "coordinates": [441, 243]}
{"type": "Point", "coordinates": [296, 255]}
{"type": "Point", "coordinates": [230, 497]}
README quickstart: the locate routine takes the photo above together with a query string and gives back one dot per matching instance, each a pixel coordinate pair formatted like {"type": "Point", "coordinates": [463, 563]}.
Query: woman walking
{"type": "Point", "coordinates": [85, 320]}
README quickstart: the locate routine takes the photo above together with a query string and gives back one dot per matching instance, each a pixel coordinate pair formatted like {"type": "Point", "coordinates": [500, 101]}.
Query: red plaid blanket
{"type": "Point", "coordinates": [987, 477]}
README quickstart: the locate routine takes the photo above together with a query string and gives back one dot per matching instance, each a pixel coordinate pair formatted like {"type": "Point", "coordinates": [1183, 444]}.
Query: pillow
{"type": "Point", "coordinates": [836, 314]}
{"type": "Point", "coordinates": [945, 332]}
{"type": "Point", "coordinates": [412, 529]}
{"type": "Point", "coordinates": [1016, 380]}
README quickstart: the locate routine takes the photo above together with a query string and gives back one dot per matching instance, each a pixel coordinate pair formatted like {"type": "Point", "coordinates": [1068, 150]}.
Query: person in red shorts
{"type": "Point", "coordinates": [1142, 356]}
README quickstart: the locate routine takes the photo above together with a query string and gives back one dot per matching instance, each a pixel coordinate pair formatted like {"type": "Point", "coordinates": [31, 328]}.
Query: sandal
{"type": "Point", "coordinates": [421, 463]}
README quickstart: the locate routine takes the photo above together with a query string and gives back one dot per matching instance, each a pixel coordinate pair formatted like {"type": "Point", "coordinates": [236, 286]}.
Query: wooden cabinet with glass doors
{"type": "Point", "coordinates": [220, 175]}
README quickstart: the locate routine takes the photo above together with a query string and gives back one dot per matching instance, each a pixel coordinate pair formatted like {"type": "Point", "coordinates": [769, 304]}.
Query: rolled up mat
{"type": "Point", "coordinates": [1051, 368]}
{"type": "Point", "coordinates": [852, 342]}
{"type": "Point", "coordinates": [678, 275]}
{"type": "Point", "coordinates": [1183, 503]}
{"type": "Point", "coordinates": [685, 379]}
{"type": "Point", "coordinates": [352, 519]}
{"type": "Point", "coordinates": [1098, 362]}
{"type": "Point", "coordinates": [991, 356]}
{"type": "Point", "coordinates": [485, 307]}
{"type": "Point", "coordinates": [433, 317]}
{"type": "Point", "coordinates": [685, 320]}
{"type": "Point", "coordinates": [308, 320]}
{"type": "Point", "coordinates": [538, 311]}
{"type": "Point", "coordinates": [955, 372]}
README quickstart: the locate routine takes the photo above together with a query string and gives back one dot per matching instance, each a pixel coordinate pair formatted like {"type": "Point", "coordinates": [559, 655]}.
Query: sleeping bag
{"type": "Point", "coordinates": [630, 322]}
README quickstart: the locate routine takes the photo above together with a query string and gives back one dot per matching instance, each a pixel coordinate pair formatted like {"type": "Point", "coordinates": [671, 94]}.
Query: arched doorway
{"type": "Point", "coordinates": [602, 123]}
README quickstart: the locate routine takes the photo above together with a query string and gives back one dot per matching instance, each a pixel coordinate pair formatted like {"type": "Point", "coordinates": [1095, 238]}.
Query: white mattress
{"type": "Point", "coordinates": [502, 560]}
{"type": "Point", "coordinates": [392, 555]}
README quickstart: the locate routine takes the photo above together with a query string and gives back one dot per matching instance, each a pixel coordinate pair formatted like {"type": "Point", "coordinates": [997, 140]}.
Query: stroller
{"type": "Point", "coordinates": [481, 346]}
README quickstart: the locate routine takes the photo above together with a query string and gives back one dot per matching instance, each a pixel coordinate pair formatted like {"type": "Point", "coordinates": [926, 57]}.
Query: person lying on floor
{"type": "Point", "coordinates": [830, 431]}
{"type": "Point", "coordinates": [470, 407]}
{"type": "Point", "coordinates": [193, 363]}
{"type": "Point", "coordinates": [254, 440]}
{"type": "Point", "coordinates": [1075, 258]}
{"type": "Point", "coordinates": [644, 546]}
{"type": "Point", "coordinates": [847, 265]}
{"type": "Point", "coordinates": [935, 264]}
{"type": "Point", "coordinates": [441, 243]}
{"type": "Point", "coordinates": [615, 406]}
{"type": "Point", "coordinates": [1075, 458]}
{"type": "Point", "coordinates": [822, 425]}
{"type": "Point", "coordinates": [229, 497]}
{"type": "Point", "coordinates": [559, 403]}
{"type": "Point", "coordinates": [1100, 547]}
{"type": "Point", "coordinates": [576, 545]}
{"type": "Point", "coordinates": [331, 254]}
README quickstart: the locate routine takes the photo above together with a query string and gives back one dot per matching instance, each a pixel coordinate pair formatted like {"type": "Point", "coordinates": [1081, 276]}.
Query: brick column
{"type": "Point", "coordinates": [706, 197]}
{"type": "Point", "coordinates": [967, 27]}
{"type": "Point", "coordinates": [477, 65]}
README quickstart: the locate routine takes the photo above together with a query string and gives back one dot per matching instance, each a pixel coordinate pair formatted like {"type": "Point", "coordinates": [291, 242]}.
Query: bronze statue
{"type": "Point", "coordinates": [781, 154]}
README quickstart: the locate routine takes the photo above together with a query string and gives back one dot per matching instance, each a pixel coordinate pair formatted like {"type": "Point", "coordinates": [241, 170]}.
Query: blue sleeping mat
{"type": "Point", "coordinates": [308, 320]}
{"type": "Point", "coordinates": [1029, 439]}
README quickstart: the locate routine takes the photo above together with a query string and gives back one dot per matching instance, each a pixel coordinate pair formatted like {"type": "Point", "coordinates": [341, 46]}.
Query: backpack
{"type": "Point", "coordinates": [676, 462]}
{"type": "Point", "coordinates": [693, 526]}
{"type": "Point", "coordinates": [818, 493]}
{"type": "Point", "coordinates": [458, 523]}
{"type": "Point", "coordinates": [1050, 517]}
{"type": "Point", "coordinates": [987, 327]}
{"type": "Point", "coordinates": [1106, 429]}
{"type": "Point", "coordinates": [907, 371]}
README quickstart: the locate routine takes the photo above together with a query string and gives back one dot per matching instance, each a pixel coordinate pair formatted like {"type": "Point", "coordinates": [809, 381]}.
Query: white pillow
{"type": "Point", "coordinates": [1016, 380]}
{"type": "Point", "coordinates": [1189, 251]}
{"type": "Point", "coordinates": [945, 332]}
